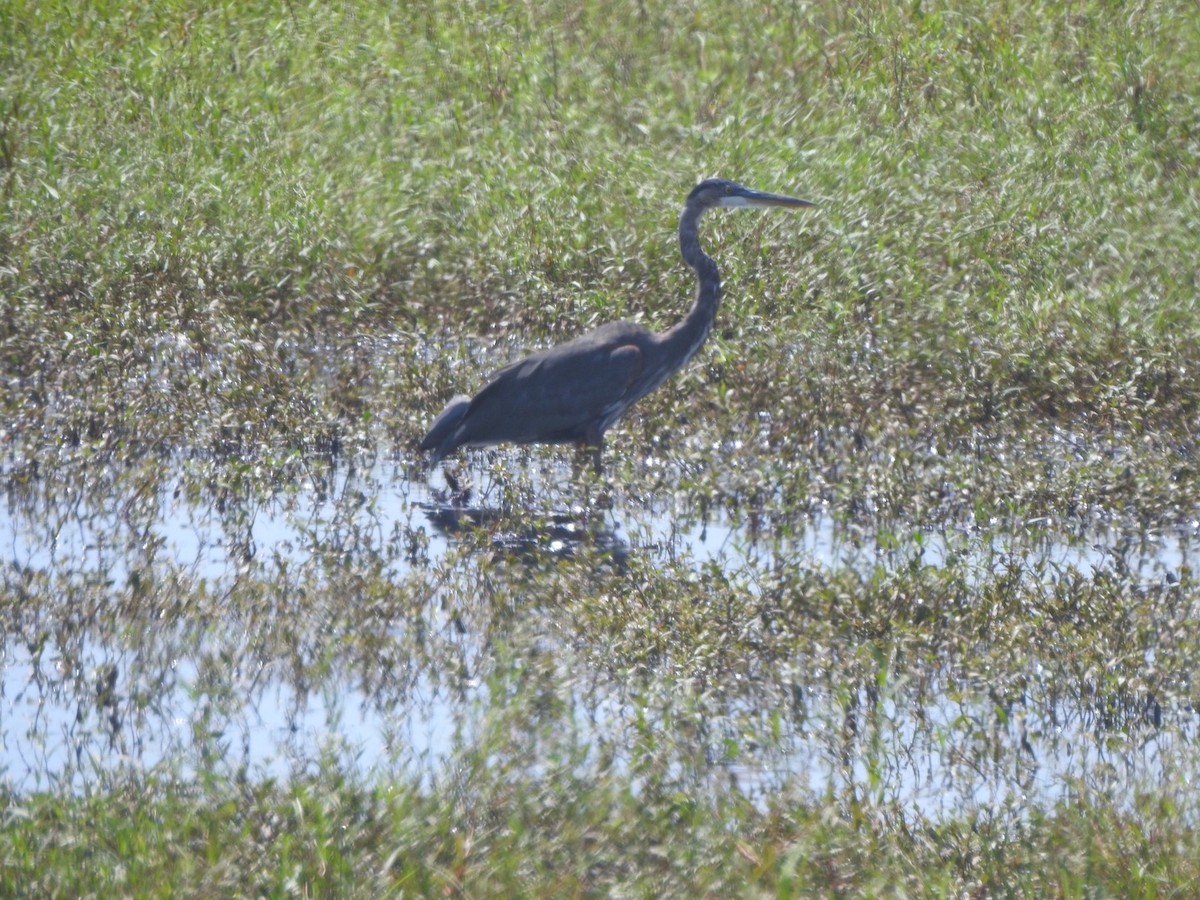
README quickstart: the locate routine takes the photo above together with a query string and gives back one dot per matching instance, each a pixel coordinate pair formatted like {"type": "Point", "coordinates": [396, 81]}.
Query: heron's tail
{"type": "Point", "coordinates": [442, 433]}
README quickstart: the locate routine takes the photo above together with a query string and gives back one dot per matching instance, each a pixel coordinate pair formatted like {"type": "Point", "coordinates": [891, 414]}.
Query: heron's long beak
{"type": "Point", "coordinates": [762, 198]}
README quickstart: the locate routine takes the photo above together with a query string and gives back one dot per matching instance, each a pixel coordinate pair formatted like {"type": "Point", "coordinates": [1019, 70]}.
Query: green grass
{"type": "Point", "coordinates": [576, 836]}
{"type": "Point", "coordinates": [1004, 240]}
{"type": "Point", "coordinates": [247, 247]}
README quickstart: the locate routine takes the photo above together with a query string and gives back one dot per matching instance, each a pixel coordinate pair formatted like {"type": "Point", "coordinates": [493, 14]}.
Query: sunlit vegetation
{"type": "Point", "coordinates": [905, 601]}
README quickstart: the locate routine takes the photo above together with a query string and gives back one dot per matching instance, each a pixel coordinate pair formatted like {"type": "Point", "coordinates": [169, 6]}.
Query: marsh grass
{"type": "Point", "coordinates": [246, 250]}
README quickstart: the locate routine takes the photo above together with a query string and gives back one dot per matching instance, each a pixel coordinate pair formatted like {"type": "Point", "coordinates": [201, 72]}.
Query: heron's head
{"type": "Point", "coordinates": [719, 192]}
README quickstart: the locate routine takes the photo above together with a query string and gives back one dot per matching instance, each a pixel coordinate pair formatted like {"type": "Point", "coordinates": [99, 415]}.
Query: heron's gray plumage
{"type": "Point", "coordinates": [574, 391]}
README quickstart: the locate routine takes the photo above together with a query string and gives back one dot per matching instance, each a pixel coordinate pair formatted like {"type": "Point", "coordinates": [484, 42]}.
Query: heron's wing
{"type": "Point", "coordinates": [441, 432]}
{"type": "Point", "coordinates": [560, 394]}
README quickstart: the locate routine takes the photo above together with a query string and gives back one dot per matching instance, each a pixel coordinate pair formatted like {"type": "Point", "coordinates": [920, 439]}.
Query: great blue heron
{"type": "Point", "coordinates": [573, 392]}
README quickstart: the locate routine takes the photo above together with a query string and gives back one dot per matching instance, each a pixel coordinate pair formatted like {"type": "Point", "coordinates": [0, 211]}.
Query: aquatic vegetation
{"type": "Point", "coordinates": [891, 588]}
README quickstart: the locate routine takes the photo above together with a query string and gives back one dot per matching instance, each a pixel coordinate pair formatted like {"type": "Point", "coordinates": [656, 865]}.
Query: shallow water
{"type": "Point", "coordinates": [88, 700]}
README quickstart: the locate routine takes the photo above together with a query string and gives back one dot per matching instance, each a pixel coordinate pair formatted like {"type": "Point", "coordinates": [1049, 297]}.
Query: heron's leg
{"type": "Point", "coordinates": [583, 452]}
{"type": "Point", "coordinates": [594, 438]}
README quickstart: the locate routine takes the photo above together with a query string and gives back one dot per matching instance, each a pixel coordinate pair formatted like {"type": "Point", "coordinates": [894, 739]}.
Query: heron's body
{"type": "Point", "coordinates": [573, 392]}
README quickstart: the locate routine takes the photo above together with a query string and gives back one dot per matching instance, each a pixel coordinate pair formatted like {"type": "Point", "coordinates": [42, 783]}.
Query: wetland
{"type": "Point", "coordinates": [890, 590]}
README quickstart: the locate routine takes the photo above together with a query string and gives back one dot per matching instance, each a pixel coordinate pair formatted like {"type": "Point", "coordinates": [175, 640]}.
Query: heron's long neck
{"type": "Point", "coordinates": [686, 338]}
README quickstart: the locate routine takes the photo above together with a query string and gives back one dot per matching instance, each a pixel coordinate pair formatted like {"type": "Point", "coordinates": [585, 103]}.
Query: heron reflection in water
{"type": "Point", "coordinates": [573, 392]}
